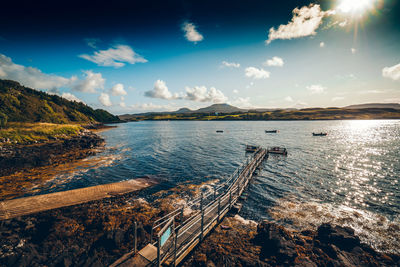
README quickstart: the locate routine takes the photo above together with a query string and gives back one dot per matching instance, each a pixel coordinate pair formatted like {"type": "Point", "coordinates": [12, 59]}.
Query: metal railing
{"type": "Point", "coordinates": [176, 238]}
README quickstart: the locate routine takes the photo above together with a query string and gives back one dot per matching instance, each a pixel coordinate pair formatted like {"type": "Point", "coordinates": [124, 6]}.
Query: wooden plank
{"type": "Point", "coordinates": [28, 205]}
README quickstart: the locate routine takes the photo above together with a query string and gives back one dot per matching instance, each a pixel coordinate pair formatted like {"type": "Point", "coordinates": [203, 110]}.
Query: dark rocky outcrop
{"type": "Point", "coordinates": [22, 157]}
{"type": "Point", "coordinates": [274, 245]}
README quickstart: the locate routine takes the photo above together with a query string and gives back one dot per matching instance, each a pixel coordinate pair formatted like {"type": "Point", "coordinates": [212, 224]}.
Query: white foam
{"type": "Point", "coordinates": [244, 221]}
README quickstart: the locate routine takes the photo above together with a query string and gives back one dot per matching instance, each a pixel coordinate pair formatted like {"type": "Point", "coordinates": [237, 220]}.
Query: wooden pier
{"type": "Point", "coordinates": [28, 205]}
{"type": "Point", "coordinates": [175, 237]}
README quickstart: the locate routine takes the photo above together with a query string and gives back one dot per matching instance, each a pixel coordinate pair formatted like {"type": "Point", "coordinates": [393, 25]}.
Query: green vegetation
{"type": "Point", "coordinates": [22, 104]}
{"type": "Point", "coordinates": [302, 114]}
{"type": "Point", "coordinates": [30, 132]}
{"type": "Point", "coordinates": [3, 120]}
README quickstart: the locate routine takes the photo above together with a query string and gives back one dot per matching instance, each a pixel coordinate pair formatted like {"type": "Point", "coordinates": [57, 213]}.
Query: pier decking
{"type": "Point", "coordinates": [28, 205]}
{"type": "Point", "coordinates": [176, 238]}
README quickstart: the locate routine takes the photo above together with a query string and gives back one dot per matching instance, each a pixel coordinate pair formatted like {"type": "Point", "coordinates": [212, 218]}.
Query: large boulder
{"type": "Point", "coordinates": [342, 237]}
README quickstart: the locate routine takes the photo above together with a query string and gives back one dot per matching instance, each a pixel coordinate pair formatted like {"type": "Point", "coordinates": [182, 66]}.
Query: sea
{"type": "Point", "coordinates": [349, 177]}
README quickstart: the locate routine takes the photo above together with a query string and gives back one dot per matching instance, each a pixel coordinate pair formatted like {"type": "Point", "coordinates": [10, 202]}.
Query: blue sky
{"type": "Point", "coordinates": [154, 56]}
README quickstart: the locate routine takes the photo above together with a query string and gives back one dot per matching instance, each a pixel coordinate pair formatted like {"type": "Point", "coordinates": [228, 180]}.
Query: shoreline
{"type": "Point", "coordinates": [25, 157]}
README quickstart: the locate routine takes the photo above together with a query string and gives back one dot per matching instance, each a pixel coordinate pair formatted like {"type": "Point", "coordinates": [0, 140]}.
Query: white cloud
{"type": "Point", "coordinates": [116, 56]}
{"type": "Point", "coordinates": [255, 73]}
{"type": "Point", "coordinates": [230, 64]}
{"type": "Point", "coordinates": [305, 22]}
{"type": "Point", "coordinates": [353, 50]}
{"type": "Point", "coordinates": [105, 99]}
{"type": "Point", "coordinates": [316, 89]}
{"type": "Point", "coordinates": [201, 94]}
{"type": "Point", "coordinates": [151, 106]}
{"type": "Point", "coordinates": [274, 62]}
{"type": "Point", "coordinates": [337, 98]}
{"type": "Point", "coordinates": [118, 89]}
{"type": "Point", "coordinates": [321, 44]}
{"type": "Point", "coordinates": [289, 99]}
{"type": "Point", "coordinates": [191, 33]}
{"type": "Point", "coordinates": [392, 72]}
{"type": "Point", "coordinates": [236, 91]}
{"type": "Point", "coordinates": [122, 104]}
{"type": "Point", "coordinates": [92, 82]}
{"type": "Point", "coordinates": [197, 93]}
{"type": "Point", "coordinates": [242, 102]}
{"type": "Point", "coordinates": [161, 91]}
{"type": "Point", "coordinates": [30, 76]}
{"type": "Point", "coordinates": [71, 97]}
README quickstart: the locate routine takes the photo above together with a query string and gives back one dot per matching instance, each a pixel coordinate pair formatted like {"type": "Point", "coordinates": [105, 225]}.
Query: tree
{"type": "Point", "coordinates": [3, 120]}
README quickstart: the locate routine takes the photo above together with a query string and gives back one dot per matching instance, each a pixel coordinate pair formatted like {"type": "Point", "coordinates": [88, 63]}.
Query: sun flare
{"type": "Point", "coordinates": [355, 6]}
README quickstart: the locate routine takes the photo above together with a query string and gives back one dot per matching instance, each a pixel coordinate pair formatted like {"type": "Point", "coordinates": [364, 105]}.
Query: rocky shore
{"type": "Point", "coordinates": [99, 232]}
{"type": "Point", "coordinates": [18, 157]}
{"type": "Point", "coordinates": [269, 244]}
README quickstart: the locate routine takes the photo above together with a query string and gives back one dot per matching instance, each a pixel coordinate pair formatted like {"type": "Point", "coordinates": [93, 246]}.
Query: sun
{"type": "Point", "coordinates": [355, 6]}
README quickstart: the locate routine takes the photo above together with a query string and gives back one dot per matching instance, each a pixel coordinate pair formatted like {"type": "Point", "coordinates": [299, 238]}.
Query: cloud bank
{"type": "Point", "coordinates": [197, 93]}
{"type": "Point", "coordinates": [30, 76]}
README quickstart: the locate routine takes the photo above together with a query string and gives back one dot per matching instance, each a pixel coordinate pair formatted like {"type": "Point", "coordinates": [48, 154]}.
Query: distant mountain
{"type": "Point", "coordinates": [23, 104]}
{"type": "Point", "coordinates": [220, 108]}
{"type": "Point", "coordinates": [183, 110]}
{"type": "Point", "coordinates": [375, 105]}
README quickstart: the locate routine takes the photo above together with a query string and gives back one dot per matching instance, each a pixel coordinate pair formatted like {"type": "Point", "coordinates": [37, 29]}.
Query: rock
{"type": "Point", "coordinates": [342, 237]}
{"type": "Point", "coordinates": [276, 241]}
{"type": "Point", "coordinates": [22, 157]}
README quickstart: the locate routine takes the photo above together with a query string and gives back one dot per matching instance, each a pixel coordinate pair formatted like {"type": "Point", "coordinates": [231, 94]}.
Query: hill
{"type": "Point", "coordinates": [23, 104]}
{"type": "Point", "coordinates": [220, 108]}
{"type": "Point", "coordinates": [375, 105]}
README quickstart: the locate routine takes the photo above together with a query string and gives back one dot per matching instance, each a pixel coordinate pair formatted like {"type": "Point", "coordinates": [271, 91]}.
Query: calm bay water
{"type": "Point", "coordinates": [350, 177]}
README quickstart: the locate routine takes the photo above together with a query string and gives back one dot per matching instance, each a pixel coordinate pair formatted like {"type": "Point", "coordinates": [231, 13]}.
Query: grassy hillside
{"type": "Point", "coordinates": [24, 132]}
{"type": "Point", "coordinates": [22, 104]}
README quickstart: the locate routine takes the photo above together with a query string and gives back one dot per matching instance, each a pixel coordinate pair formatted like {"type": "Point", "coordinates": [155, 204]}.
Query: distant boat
{"type": "Point", "coordinates": [277, 150]}
{"type": "Point", "coordinates": [271, 131]}
{"type": "Point", "coordinates": [220, 131]}
{"type": "Point", "coordinates": [250, 148]}
{"type": "Point", "coordinates": [319, 134]}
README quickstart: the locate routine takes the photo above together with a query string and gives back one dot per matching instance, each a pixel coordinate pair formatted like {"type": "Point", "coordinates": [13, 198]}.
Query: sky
{"type": "Point", "coordinates": [141, 56]}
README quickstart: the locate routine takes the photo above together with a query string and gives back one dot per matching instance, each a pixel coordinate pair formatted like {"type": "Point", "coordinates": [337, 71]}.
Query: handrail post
{"type": "Point", "coordinates": [175, 245]}
{"type": "Point", "coordinates": [151, 234]}
{"type": "Point", "coordinates": [135, 238]}
{"type": "Point", "coordinates": [182, 213]}
{"type": "Point", "coordinates": [215, 192]}
{"type": "Point", "coordinates": [219, 207]}
{"type": "Point", "coordinates": [158, 251]}
{"type": "Point", "coordinates": [202, 217]}
{"type": "Point", "coordinates": [230, 198]}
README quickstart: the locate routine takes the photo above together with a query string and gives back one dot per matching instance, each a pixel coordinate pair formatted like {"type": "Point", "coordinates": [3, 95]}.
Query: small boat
{"type": "Point", "coordinates": [252, 149]}
{"type": "Point", "coordinates": [220, 131]}
{"type": "Point", "coordinates": [277, 150]}
{"type": "Point", "coordinates": [319, 134]}
{"type": "Point", "coordinates": [271, 131]}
